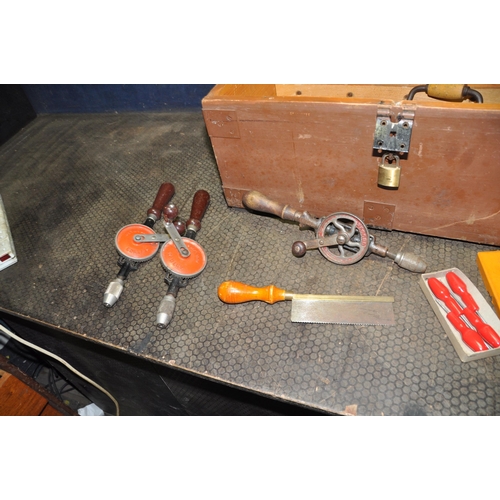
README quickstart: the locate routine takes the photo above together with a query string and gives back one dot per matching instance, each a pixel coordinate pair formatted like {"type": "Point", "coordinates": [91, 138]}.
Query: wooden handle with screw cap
{"type": "Point", "coordinates": [235, 292]}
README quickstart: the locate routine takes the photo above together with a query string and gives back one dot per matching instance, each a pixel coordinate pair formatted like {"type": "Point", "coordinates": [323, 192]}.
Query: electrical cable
{"type": "Point", "coordinates": [37, 371]}
{"type": "Point", "coordinates": [65, 363]}
{"type": "Point", "coordinates": [66, 388]}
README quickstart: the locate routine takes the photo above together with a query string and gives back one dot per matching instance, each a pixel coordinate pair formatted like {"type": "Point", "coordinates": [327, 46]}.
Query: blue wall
{"type": "Point", "coordinates": [114, 98]}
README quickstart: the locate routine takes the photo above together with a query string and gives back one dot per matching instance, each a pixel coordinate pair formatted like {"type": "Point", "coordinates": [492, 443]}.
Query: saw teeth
{"type": "Point", "coordinates": [344, 323]}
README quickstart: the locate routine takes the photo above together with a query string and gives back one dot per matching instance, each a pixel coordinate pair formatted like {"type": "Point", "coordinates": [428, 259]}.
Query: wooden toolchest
{"type": "Point", "coordinates": [416, 158]}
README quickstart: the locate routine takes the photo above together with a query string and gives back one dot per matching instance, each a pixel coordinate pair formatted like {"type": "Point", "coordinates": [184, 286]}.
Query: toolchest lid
{"type": "Point", "coordinates": [356, 94]}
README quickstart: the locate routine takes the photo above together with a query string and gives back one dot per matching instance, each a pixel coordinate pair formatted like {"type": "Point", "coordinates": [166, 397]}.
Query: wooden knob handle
{"type": "Point", "coordinates": [170, 212]}
{"type": "Point", "coordinates": [164, 195]}
{"type": "Point", "coordinates": [200, 204]}
{"type": "Point", "coordinates": [299, 249]}
{"type": "Point", "coordinates": [180, 226]}
{"type": "Point", "coordinates": [234, 292]}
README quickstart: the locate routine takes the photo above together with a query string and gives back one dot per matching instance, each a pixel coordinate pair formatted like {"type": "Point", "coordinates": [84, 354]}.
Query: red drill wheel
{"type": "Point", "coordinates": [353, 238]}
{"type": "Point", "coordinates": [129, 248]}
{"type": "Point", "coordinates": [183, 267]}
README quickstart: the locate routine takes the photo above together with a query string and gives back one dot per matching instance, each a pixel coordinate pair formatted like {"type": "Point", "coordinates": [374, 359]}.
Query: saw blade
{"type": "Point", "coordinates": [347, 312]}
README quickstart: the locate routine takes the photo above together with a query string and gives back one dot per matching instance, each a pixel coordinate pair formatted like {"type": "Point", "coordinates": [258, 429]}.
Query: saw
{"type": "Point", "coordinates": [339, 309]}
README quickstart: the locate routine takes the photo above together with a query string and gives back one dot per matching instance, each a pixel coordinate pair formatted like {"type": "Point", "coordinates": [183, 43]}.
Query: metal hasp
{"type": "Point", "coordinates": [393, 136]}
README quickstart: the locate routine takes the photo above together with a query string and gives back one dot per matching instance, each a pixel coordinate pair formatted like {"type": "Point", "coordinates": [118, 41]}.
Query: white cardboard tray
{"type": "Point", "coordinates": [7, 251]}
{"type": "Point", "coordinates": [487, 313]}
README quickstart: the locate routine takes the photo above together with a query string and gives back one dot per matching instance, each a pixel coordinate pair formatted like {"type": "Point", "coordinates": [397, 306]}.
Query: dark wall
{"type": "Point", "coordinates": [15, 111]}
{"type": "Point", "coordinates": [19, 104]}
{"type": "Point", "coordinates": [96, 98]}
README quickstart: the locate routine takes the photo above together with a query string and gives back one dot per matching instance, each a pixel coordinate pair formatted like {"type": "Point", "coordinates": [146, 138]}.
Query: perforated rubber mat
{"type": "Point", "coordinates": [70, 182]}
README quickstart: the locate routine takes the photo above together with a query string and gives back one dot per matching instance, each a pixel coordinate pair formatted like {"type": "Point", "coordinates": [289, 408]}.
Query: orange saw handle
{"type": "Point", "coordinates": [235, 292]}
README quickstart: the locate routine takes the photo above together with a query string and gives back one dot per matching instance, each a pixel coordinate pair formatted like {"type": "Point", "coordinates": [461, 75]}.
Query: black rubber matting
{"type": "Point", "coordinates": [70, 182]}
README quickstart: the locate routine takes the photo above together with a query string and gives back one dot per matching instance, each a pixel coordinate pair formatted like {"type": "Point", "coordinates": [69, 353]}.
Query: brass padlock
{"type": "Point", "coordinates": [389, 173]}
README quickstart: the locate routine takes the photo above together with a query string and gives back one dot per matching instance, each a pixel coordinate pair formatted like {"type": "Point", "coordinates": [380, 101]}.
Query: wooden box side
{"type": "Point", "coordinates": [392, 92]}
{"type": "Point", "coordinates": [317, 154]}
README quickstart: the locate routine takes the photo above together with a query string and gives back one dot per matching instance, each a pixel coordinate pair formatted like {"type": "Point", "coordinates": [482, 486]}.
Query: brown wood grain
{"type": "Point", "coordinates": [396, 93]}
{"type": "Point", "coordinates": [20, 395]}
{"type": "Point", "coordinates": [17, 399]}
{"type": "Point", "coordinates": [316, 154]}
{"type": "Point", "coordinates": [253, 90]}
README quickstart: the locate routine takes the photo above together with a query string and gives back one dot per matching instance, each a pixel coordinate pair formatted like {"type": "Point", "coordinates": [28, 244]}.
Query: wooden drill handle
{"type": "Point", "coordinates": [201, 200]}
{"type": "Point", "coordinates": [261, 203]}
{"type": "Point", "coordinates": [234, 292]}
{"type": "Point", "coordinates": [164, 195]}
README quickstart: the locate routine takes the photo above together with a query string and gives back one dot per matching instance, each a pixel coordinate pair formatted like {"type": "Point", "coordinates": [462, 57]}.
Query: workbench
{"type": "Point", "coordinates": [70, 182]}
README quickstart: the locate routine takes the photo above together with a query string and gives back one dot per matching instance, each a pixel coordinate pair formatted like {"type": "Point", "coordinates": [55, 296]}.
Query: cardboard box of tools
{"type": "Point", "coordinates": [486, 313]}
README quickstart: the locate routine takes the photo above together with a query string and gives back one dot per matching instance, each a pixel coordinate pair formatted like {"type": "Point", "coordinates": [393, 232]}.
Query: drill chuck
{"type": "Point", "coordinates": [409, 261]}
{"type": "Point", "coordinates": [113, 292]}
{"type": "Point", "coordinates": [165, 311]}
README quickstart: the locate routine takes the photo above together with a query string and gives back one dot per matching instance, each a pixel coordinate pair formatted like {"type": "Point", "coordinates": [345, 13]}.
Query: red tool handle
{"type": "Point", "coordinates": [460, 288]}
{"type": "Point", "coordinates": [470, 337]}
{"type": "Point", "coordinates": [201, 200]}
{"type": "Point", "coordinates": [441, 292]}
{"type": "Point", "coordinates": [486, 331]}
{"type": "Point", "coordinates": [164, 195]}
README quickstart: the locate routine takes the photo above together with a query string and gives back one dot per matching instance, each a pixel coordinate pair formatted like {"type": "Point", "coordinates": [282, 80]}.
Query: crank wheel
{"type": "Point", "coordinates": [183, 267]}
{"type": "Point", "coordinates": [129, 248]}
{"type": "Point", "coordinates": [353, 238]}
